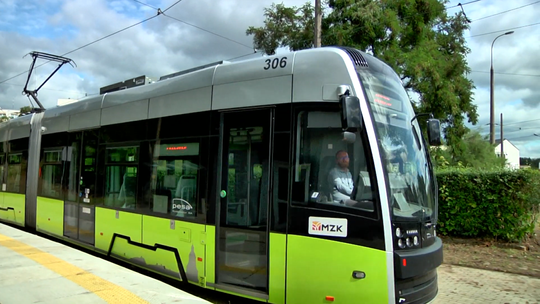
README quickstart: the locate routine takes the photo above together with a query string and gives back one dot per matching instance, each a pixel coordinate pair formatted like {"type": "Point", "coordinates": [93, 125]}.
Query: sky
{"type": "Point", "coordinates": [197, 32]}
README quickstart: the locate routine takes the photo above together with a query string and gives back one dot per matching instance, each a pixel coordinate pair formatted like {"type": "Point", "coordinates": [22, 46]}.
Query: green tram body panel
{"type": "Point", "coordinates": [107, 224]}
{"type": "Point", "coordinates": [186, 237]}
{"type": "Point", "coordinates": [50, 215]}
{"type": "Point", "coordinates": [277, 267]}
{"type": "Point", "coordinates": [311, 261]}
{"type": "Point", "coordinates": [17, 202]}
{"type": "Point", "coordinates": [210, 254]}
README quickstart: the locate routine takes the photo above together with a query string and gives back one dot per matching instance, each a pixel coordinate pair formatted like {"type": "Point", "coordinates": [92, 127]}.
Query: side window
{"type": "Point", "coordinates": [121, 166]}
{"type": "Point", "coordinates": [2, 167]}
{"type": "Point", "coordinates": [15, 172]}
{"type": "Point", "coordinates": [50, 174]}
{"type": "Point", "coordinates": [331, 169]}
{"type": "Point", "coordinates": [175, 178]}
{"type": "Point", "coordinates": [72, 164]}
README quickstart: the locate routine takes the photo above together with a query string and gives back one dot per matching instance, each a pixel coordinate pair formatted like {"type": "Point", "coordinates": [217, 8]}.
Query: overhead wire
{"type": "Point", "coordinates": [242, 56]}
{"type": "Point", "coordinates": [195, 26]}
{"type": "Point", "coordinates": [496, 14]}
{"type": "Point", "coordinates": [513, 9]}
{"type": "Point", "coordinates": [512, 74]}
{"type": "Point", "coordinates": [163, 12]}
{"type": "Point", "coordinates": [461, 4]}
{"type": "Point", "coordinates": [200, 28]}
{"type": "Point", "coordinates": [525, 121]}
{"type": "Point", "coordinates": [88, 44]}
{"type": "Point", "coordinates": [520, 137]}
{"type": "Point", "coordinates": [513, 28]}
{"type": "Point", "coordinates": [140, 2]}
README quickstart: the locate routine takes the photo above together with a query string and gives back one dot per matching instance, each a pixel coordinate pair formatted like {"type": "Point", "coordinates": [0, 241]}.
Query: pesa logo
{"type": "Point", "coordinates": [327, 226]}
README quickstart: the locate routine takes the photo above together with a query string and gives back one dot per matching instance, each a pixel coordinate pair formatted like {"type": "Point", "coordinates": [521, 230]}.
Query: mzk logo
{"type": "Point", "coordinates": [328, 226]}
{"type": "Point", "coordinates": [318, 226]}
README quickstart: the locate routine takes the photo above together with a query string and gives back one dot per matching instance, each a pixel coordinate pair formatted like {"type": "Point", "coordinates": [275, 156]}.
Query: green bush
{"type": "Point", "coordinates": [496, 203]}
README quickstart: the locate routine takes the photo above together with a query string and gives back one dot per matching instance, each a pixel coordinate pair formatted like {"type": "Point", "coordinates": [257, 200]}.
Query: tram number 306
{"type": "Point", "coordinates": [275, 63]}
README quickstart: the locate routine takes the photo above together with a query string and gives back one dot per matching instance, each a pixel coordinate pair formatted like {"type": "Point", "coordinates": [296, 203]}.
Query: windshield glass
{"type": "Point", "coordinates": [332, 171]}
{"type": "Point", "coordinates": [401, 146]}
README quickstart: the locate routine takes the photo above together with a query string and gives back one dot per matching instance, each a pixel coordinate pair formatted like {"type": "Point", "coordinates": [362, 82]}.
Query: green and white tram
{"type": "Point", "coordinates": [220, 177]}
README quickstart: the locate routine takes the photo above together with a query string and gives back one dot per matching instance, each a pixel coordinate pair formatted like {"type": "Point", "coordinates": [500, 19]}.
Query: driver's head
{"type": "Point", "coordinates": [342, 159]}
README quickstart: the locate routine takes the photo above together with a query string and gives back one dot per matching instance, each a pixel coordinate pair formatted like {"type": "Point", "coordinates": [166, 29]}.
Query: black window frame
{"type": "Point", "coordinates": [376, 213]}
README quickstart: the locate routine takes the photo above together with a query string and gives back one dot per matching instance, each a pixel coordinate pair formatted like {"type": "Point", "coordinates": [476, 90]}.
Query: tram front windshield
{"type": "Point", "coordinates": [401, 146]}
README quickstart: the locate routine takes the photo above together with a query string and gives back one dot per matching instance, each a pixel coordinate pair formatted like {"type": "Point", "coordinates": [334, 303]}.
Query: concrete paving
{"type": "Point", "coordinates": [37, 270]}
{"type": "Point", "coordinates": [469, 285]}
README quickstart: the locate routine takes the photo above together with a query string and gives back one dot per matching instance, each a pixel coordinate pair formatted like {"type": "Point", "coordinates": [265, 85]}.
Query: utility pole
{"type": "Point", "coordinates": [318, 21]}
{"type": "Point", "coordinates": [502, 137]}
{"type": "Point", "coordinates": [491, 97]}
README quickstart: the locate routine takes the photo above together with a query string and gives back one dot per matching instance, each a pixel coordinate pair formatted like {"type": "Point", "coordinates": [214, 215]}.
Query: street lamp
{"type": "Point", "coordinates": [491, 99]}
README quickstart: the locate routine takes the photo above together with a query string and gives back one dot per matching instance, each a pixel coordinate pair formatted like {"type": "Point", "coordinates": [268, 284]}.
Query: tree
{"type": "Point", "coordinates": [25, 110]}
{"type": "Point", "coordinates": [285, 26]}
{"type": "Point", "coordinates": [527, 161]}
{"type": "Point", "coordinates": [477, 152]}
{"type": "Point", "coordinates": [418, 39]}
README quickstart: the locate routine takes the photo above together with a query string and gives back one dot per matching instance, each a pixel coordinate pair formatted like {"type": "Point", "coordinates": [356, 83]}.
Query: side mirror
{"type": "Point", "coordinates": [434, 132]}
{"type": "Point", "coordinates": [350, 112]}
{"type": "Point", "coordinates": [348, 137]}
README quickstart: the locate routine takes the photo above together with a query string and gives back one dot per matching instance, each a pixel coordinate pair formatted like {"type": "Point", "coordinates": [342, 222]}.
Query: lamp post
{"type": "Point", "coordinates": [491, 99]}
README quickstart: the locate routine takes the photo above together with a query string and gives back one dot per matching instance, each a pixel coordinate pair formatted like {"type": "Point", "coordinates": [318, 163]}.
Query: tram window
{"type": "Point", "coordinates": [72, 166]}
{"type": "Point", "coordinates": [50, 174]}
{"type": "Point", "coordinates": [328, 168]}
{"type": "Point", "coordinates": [174, 179]}
{"type": "Point", "coordinates": [121, 177]}
{"type": "Point", "coordinates": [16, 173]}
{"type": "Point", "coordinates": [2, 166]}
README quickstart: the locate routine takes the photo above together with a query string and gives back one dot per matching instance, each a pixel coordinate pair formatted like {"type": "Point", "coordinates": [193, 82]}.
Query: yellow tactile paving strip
{"type": "Point", "coordinates": [106, 290]}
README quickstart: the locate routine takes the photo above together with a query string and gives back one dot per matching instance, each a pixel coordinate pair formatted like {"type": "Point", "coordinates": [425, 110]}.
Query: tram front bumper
{"type": "Point", "coordinates": [416, 273]}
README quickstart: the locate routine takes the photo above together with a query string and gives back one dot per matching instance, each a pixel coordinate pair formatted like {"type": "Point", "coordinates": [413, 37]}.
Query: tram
{"type": "Point", "coordinates": [233, 177]}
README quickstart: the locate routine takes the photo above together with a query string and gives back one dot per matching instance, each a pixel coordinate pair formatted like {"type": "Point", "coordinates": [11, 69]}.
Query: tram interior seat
{"type": "Point", "coordinates": [128, 191]}
{"type": "Point", "coordinates": [186, 187]}
{"type": "Point", "coordinates": [185, 192]}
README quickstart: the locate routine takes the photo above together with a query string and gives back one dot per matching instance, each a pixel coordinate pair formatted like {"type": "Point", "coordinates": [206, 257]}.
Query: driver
{"type": "Point", "coordinates": [341, 179]}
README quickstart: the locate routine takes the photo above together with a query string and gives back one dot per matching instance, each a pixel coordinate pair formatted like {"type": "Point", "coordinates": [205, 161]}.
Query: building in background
{"type": "Point", "coordinates": [6, 114]}
{"type": "Point", "coordinates": [511, 153]}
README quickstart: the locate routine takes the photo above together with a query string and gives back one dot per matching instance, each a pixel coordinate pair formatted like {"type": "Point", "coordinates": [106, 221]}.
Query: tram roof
{"type": "Point", "coordinates": [316, 73]}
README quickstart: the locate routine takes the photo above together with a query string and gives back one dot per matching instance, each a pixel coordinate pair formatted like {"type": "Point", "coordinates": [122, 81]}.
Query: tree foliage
{"type": "Point", "coordinates": [488, 203]}
{"type": "Point", "coordinates": [284, 26]}
{"type": "Point", "coordinates": [475, 152]}
{"type": "Point", "coordinates": [25, 110]}
{"type": "Point", "coordinates": [527, 161]}
{"type": "Point", "coordinates": [417, 38]}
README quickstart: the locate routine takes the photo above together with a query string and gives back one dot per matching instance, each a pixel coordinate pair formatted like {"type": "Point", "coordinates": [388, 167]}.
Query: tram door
{"type": "Point", "coordinates": [242, 232]}
{"type": "Point", "coordinates": [79, 213]}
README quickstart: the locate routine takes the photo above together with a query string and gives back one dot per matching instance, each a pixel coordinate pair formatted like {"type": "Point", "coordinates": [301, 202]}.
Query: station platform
{"type": "Point", "coordinates": [37, 270]}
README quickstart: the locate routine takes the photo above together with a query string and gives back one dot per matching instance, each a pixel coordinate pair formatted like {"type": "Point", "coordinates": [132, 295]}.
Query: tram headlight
{"type": "Point", "coordinates": [406, 238]}
{"type": "Point", "coordinates": [398, 232]}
